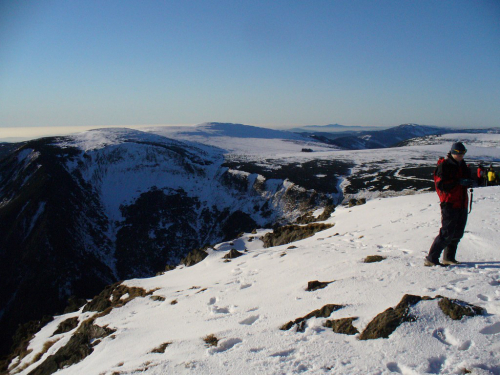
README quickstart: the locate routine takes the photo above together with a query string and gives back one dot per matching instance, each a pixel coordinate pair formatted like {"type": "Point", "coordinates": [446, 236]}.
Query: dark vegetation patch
{"type": "Point", "coordinates": [343, 326]}
{"type": "Point", "coordinates": [161, 348]}
{"type": "Point", "coordinates": [324, 312]}
{"type": "Point", "coordinates": [211, 340]}
{"type": "Point", "coordinates": [158, 298]}
{"type": "Point", "coordinates": [45, 348]}
{"type": "Point", "coordinates": [457, 309]}
{"type": "Point", "coordinates": [356, 202]}
{"type": "Point", "coordinates": [193, 257]}
{"type": "Point", "coordinates": [315, 285]}
{"type": "Point", "coordinates": [80, 345]}
{"type": "Point", "coordinates": [292, 233]}
{"type": "Point", "coordinates": [66, 325]}
{"type": "Point", "coordinates": [21, 340]}
{"type": "Point", "coordinates": [302, 174]}
{"type": "Point", "coordinates": [308, 218]}
{"type": "Point", "coordinates": [373, 259]}
{"type": "Point", "coordinates": [111, 297]}
{"type": "Point", "coordinates": [74, 304]}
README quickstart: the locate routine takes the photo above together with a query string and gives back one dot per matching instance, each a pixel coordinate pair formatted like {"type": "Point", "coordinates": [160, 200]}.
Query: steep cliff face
{"type": "Point", "coordinates": [78, 213]}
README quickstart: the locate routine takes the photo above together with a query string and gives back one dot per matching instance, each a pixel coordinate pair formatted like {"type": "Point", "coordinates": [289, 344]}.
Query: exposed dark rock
{"type": "Point", "coordinates": [343, 326]}
{"type": "Point", "coordinates": [324, 312]}
{"type": "Point", "coordinates": [291, 247]}
{"type": "Point", "coordinates": [115, 295]}
{"type": "Point", "coordinates": [373, 259]}
{"type": "Point", "coordinates": [309, 218]}
{"type": "Point", "coordinates": [291, 233]}
{"type": "Point", "coordinates": [194, 256]}
{"type": "Point", "coordinates": [457, 309]}
{"type": "Point", "coordinates": [386, 322]}
{"type": "Point", "coordinates": [233, 253]}
{"type": "Point", "coordinates": [315, 285]}
{"type": "Point", "coordinates": [78, 347]}
{"type": "Point", "coordinates": [66, 325]}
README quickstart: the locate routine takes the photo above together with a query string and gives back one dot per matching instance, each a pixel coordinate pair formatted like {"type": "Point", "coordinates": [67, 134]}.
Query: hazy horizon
{"type": "Point", "coordinates": [26, 133]}
{"type": "Point", "coordinates": [357, 63]}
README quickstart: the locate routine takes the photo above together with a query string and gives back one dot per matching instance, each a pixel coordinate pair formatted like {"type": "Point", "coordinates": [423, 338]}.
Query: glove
{"type": "Point", "coordinates": [465, 182]}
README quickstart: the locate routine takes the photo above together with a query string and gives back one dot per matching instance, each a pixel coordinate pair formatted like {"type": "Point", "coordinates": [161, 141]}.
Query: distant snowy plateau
{"type": "Point", "coordinates": [81, 212]}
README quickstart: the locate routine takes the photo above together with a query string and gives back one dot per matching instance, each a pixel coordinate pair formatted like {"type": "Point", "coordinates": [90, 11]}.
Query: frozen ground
{"type": "Point", "coordinates": [244, 302]}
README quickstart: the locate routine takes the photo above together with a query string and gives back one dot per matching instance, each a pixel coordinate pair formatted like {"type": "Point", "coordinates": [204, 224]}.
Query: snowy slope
{"type": "Point", "coordinates": [244, 303]}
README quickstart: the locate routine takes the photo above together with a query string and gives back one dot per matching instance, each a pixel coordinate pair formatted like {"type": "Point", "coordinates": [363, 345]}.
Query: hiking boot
{"type": "Point", "coordinates": [428, 263]}
{"type": "Point", "coordinates": [450, 262]}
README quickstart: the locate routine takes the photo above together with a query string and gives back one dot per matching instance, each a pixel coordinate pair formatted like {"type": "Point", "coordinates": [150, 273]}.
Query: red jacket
{"type": "Point", "coordinates": [447, 178]}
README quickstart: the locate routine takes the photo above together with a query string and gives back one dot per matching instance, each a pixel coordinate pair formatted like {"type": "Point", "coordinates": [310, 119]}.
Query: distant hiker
{"type": "Point", "coordinates": [492, 177]}
{"type": "Point", "coordinates": [452, 177]}
{"type": "Point", "coordinates": [481, 175]}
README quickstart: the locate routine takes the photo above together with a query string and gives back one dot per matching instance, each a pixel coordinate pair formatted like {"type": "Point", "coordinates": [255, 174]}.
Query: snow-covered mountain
{"type": "Point", "coordinates": [314, 306]}
{"type": "Point", "coordinates": [80, 212]}
{"type": "Point", "coordinates": [392, 137]}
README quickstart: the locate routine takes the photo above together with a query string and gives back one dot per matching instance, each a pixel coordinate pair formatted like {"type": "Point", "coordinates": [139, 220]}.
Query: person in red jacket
{"type": "Point", "coordinates": [452, 178]}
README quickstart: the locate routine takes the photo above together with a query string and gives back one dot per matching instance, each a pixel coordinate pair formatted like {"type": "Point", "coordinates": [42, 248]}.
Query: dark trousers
{"type": "Point", "coordinates": [453, 221]}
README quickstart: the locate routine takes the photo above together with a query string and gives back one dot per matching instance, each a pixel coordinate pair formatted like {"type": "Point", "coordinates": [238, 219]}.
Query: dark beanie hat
{"type": "Point", "coordinates": [458, 148]}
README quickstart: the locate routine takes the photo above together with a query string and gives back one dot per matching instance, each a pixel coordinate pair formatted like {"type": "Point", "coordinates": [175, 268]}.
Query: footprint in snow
{"type": "Point", "coordinates": [484, 298]}
{"type": "Point", "coordinates": [219, 310]}
{"type": "Point", "coordinates": [436, 364]}
{"type": "Point", "coordinates": [250, 320]}
{"type": "Point", "coordinates": [225, 345]}
{"type": "Point", "coordinates": [445, 337]}
{"type": "Point", "coordinates": [393, 367]}
{"type": "Point", "coordinates": [491, 330]}
{"type": "Point", "coordinates": [284, 353]}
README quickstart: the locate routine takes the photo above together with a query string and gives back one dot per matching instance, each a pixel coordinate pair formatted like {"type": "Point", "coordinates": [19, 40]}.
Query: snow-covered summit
{"type": "Point", "coordinates": [241, 304]}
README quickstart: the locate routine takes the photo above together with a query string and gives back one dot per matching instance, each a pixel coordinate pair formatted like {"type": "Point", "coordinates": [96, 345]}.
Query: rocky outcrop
{"type": "Point", "coordinates": [457, 309]}
{"type": "Point", "coordinates": [324, 312]}
{"type": "Point", "coordinates": [113, 296]}
{"type": "Point", "coordinates": [373, 259]}
{"type": "Point", "coordinates": [232, 254]}
{"type": "Point", "coordinates": [343, 326]}
{"type": "Point", "coordinates": [291, 233]}
{"type": "Point", "coordinates": [386, 322]}
{"type": "Point", "coordinates": [315, 285]}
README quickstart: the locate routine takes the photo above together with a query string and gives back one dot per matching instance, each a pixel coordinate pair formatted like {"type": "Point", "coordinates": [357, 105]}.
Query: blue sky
{"type": "Point", "coordinates": [272, 63]}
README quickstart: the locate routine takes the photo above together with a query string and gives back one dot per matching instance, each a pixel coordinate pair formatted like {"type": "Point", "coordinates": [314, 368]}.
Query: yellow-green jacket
{"type": "Point", "coordinates": [491, 176]}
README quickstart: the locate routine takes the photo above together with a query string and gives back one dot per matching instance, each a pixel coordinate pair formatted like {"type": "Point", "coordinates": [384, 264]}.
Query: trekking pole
{"type": "Point", "coordinates": [471, 196]}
